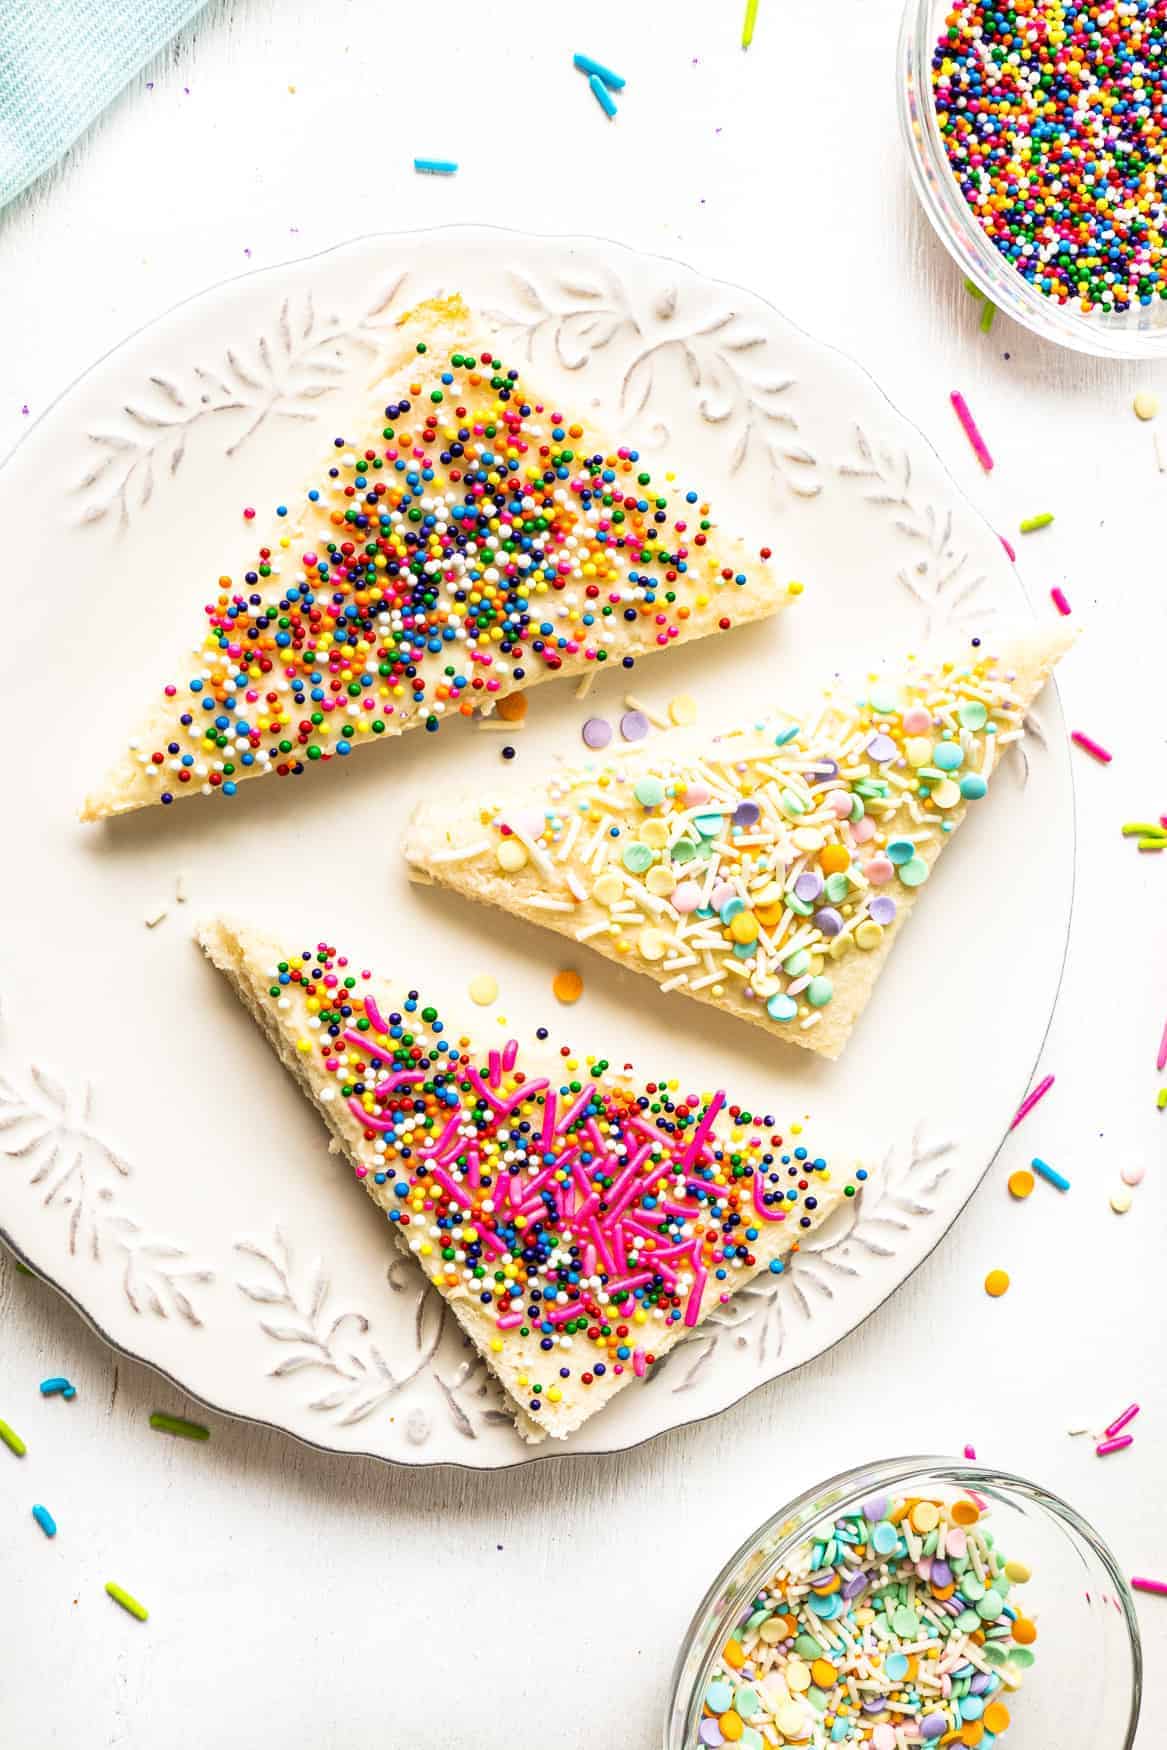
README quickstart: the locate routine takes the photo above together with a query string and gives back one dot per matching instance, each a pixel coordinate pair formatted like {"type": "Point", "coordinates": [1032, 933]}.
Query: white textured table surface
{"type": "Point", "coordinates": [304, 1599]}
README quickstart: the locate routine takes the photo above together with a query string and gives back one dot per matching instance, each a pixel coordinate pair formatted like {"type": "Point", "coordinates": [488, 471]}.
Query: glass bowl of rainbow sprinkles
{"type": "Point", "coordinates": [913, 1602]}
{"type": "Point", "coordinates": [1037, 133]}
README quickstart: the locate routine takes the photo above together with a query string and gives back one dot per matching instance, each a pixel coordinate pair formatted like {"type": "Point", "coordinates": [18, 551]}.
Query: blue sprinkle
{"type": "Point", "coordinates": [435, 166]}
{"type": "Point", "coordinates": [602, 95]}
{"type": "Point", "coordinates": [598, 71]}
{"type": "Point", "coordinates": [45, 1520]}
{"type": "Point", "coordinates": [1049, 1175]}
{"type": "Point", "coordinates": [50, 1388]}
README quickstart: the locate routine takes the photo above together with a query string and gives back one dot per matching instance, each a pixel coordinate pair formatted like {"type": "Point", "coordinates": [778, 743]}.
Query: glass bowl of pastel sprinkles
{"type": "Point", "coordinates": [1037, 133]}
{"type": "Point", "coordinates": [913, 1602]}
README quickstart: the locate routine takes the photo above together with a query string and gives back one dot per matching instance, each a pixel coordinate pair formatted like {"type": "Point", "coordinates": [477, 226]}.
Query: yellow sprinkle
{"type": "Point", "coordinates": [683, 709]}
{"type": "Point", "coordinates": [795, 588]}
{"type": "Point", "coordinates": [1120, 1202]}
{"type": "Point", "coordinates": [1146, 405]}
{"type": "Point", "coordinates": [483, 989]}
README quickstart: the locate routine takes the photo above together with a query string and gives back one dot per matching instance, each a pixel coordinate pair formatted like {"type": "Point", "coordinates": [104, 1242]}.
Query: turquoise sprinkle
{"type": "Point", "coordinates": [785, 735]}
{"type": "Point", "coordinates": [596, 68]}
{"type": "Point", "coordinates": [602, 95]}
{"type": "Point", "coordinates": [435, 166]}
{"type": "Point", "coordinates": [45, 1520]}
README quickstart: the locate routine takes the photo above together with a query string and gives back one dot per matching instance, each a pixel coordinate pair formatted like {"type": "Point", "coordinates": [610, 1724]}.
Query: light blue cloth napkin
{"type": "Point", "coordinates": [61, 63]}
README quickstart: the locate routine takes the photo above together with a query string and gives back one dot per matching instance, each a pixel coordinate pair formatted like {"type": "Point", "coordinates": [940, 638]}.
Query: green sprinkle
{"type": "Point", "coordinates": [749, 22]}
{"type": "Point", "coordinates": [1150, 828]}
{"type": "Point", "coordinates": [1037, 522]}
{"type": "Point", "coordinates": [987, 314]}
{"type": "Point", "coordinates": [12, 1440]}
{"type": "Point", "coordinates": [973, 291]}
{"type": "Point", "coordinates": [164, 1424]}
{"type": "Point", "coordinates": [1161, 1102]}
{"type": "Point", "coordinates": [122, 1597]}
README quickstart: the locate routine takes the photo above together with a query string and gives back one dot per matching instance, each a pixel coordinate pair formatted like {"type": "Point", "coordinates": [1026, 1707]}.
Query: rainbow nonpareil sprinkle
{"type": "Point", "coordinates": [1030, 1101]}
{"type": "Point", "coordinates": [1051, 115]}
{"type": "Point", "coordinates": [971, 430]}
{"type": "Point", "coordinates": [1092, 747]}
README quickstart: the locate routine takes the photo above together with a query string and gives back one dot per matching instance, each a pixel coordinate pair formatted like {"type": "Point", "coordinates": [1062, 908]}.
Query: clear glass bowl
{"type": "Point", "coordinates": [1083, 1692]}
{"type": "Point", "coordinates": [1134, 334]}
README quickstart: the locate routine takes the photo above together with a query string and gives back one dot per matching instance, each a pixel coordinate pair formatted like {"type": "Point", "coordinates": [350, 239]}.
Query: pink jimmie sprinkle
{"type": "Point", "coordinates": [1106, 1446]}
{"type": "Point", "coordinates": [1090, 746]}
{"type": "Point", "coordinates": [970, 1452]}
{"type": "Point", "coordinates": [1030, 1101]}
{"type": "Point", "coordinates": [1059, 601]}
{"type": "Point", "coordinates": [1161, 1060]}
{"type": "Point", "coordinates": [1120, 1422]}
{"type": "Point", "coordinates": [973, 435]}
{"type": "Point", "coordinates": [1142, 1585]}
{"type": "Point", "coordinates": [1012, 552]}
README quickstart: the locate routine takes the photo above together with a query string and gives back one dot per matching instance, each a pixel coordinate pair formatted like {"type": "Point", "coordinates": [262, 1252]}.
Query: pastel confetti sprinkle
{"type": "Point", "coordinates": [1092, 747]}
{"type": "Point", "coordinates": [597, 733]}
{"type": "Point", "coordinates": [683, 709]}
{"type": "Point", "coordinates": [1120, 1202]}
{"type": "Point", "coordinates": [435, 166]}
{"type": "Point", "coordinates": [1030, 1101]}
{"type": "Point", "coordinates": [45, 1520]}
{"type": "Point", "coordinates": [178, 1426]}
{"type": "Point", "coordinates": [613, 81]}
{"type": "Point", "coordinates": [567, 986]}
{"type": "Point", "coordinates": [971, 430]}
{"type": "Point", "coordinates": [127, 1601]}
{"type": "Point", "coordinates": [634, 726]}
{"type": "Point", "coordinates": [1059, 600]}
{"type": "Point", "coordinates": [1145, 404]}
{"type": "Point", "coordinates": [12, 1440]}
{"type": "Point", "coordinates": [483, 989]}
{"type": "Point", "coordinates": [864, 1625]}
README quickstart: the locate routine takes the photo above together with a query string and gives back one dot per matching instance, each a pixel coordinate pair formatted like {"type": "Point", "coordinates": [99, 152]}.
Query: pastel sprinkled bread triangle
{"type": "Point", "coordinates": [578, 1221]}
{"type": "Point", "coordinates": [767, 871]}
{"type": "Point", "coordinates": [465, 538]}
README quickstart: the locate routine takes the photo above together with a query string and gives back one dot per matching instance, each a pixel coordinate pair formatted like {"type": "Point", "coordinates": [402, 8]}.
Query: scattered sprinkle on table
{"type": "Point", "coordinates": [1092, 747]}
{"type": "Point", "coordinates": [1161, 1055]}
{"type": "Point", "coordinates": [683, 709]}
{"type": "Point", "coordinates": [45, 1520]}
{"type": "Point", "coordinates": [1120, 1422]}
{"type": "Point", "coordinates": [1161, 1100]}
{"type": "Point", "coordinates": [483, 989]}
{"type": "Point", "coordinates": [435, 166]}
{"type": "Point", "coordinates": [567, 986]}
{"type": "Point", "coordinates": [57, 1386]}
{"type": "Point", "coordinates": [748, 23]}
{"type": "Point", "coordinates": [602, 95]}
{"type": "Point", "coordinates": [1051, 118]}
{"type": "Point", "coordinates": [997, 1283]}
{"type": "Point", "coordinates": [1050, 1176]}
{"type": "Point", "coordinates": [1142, 1584]}
{"type": "Point", "coordinates": [126, 1600]}
{"type": "Point", "coordinates": [1146, 405]}
{"type": "Point", "coordinates": [1105, 1447]}
{"type": "Point", "coordinates": [596, 69]}
{"type": "Point", "coordinates": [1009, 548]}
{"type": "Point", "coordinates": [178, 1425]}
{"type": "Point", "coordinates": [1059, 601]}
{"type": "Point", "coordinates": [154, 914]}
{"type": "Point", "coordinates": [971, 430]}
{"type": "Point", "coordinates": [634, 726]}
{"type": "Point", "coordinates": [1030, 1101]}
{"type": "Point", "coordinates": [987, 315]}
{"type": "Point", "coordinates": [1132, 1174]}
{"type": "Point", "coordinates": [1033, 523]}
{"type": "Point", "coordinates": [896, 1626]}
{"type": "Point", "coordinates": [1120, 1201]}
{"type": "Point", "coordinates": [1021, 1183]}
{"type": "Point", "coordinates": [597, 733]}
{"type": "Point", "coordinates": [970, 1452]}
{"type": "Point", "coordinates": [1151, 836]}
{"type": "Point", "coordinates": [12, 1440]}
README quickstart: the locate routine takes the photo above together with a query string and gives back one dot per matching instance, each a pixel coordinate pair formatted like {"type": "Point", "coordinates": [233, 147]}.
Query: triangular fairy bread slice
{"type": "Point", "coordinates": [767, 871]}
{"type": "Point", "coordinates": [577, 1221]}
{"type": "Point", "coordinates": [464, 539]}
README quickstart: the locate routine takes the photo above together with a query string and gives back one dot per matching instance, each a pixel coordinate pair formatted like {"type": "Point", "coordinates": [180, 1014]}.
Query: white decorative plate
{"type": "Point", "coordinates": [156, 1163]}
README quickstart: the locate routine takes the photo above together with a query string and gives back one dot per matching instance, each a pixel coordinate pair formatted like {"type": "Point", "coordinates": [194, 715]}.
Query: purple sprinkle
{"type": "Point", "coordinates": [828, 920]}
{"type": "Point", "coordinates": [809, 885]}
{"type": "Point", "coordinates": [822, 770]}
{"type": "Point", "coordinates": [934, 1725]}
{"type": "Point", "coordinates": [597, 732]}
{"type": "Point", "coordinates": [875, 1509]}
{"type": "Point", "coordinates": [712, 1734]}
{"type": "Point", "coordinates": [149, 85]}
{"type": "Point", "coordinates": [980, 1682]}
{"type": "Point", "coordinates": [746, 814]}
{"type": "Point", "coordinates": [855, 1585]}
{"type": "Point", "coordinates": [247, 252]}
{"type": "Point", "coordinates": [882, 910]}
{"type": "Point", "coordinates": [24, 410]}
{"type": "Point", "coordinates": [634, 726]}
{"type": "Point", "coordinates": [881, 748]}
{"type": "Point", "coordinates": [873, 1705]}
{"type": "Point", "coordinates": [941, 1574]}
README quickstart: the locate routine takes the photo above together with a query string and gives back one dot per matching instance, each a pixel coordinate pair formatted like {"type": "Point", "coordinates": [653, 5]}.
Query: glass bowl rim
{"type": "Point", "coordinates": [890, 1473]}
{"type": "Point", "coordinates": [1064, 325]}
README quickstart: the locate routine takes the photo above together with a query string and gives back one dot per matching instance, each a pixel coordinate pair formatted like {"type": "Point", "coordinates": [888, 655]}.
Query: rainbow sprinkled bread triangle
{"type": "Point", "coordinates": [465, 540]}
{"type": "Point", "coordinates": [766, 871]}
{"type": "Point", "coordinates": [576, 1224]}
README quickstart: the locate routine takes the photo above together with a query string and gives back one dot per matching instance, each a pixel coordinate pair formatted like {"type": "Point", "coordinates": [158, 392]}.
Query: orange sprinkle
{"type": "Point", "coordinates": [996, 1283]}
{"type": "Point", "coordinates": [1021, 1183]}
{"type": "Point", "coordinates": [1024, 1631]}
{"type": "Point", "coordinates": [965, 1513]}
{"type": "Point", "coordinates": [512, 708]}
{"type": "Point", "coordinates": [833, 859]}
{"type": "Point", "coordinates": [996, 1718]}
{"type": "Point", "coordinates": [567, 986]}
{"type": "Point", "coordinates": [733, 1654]}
